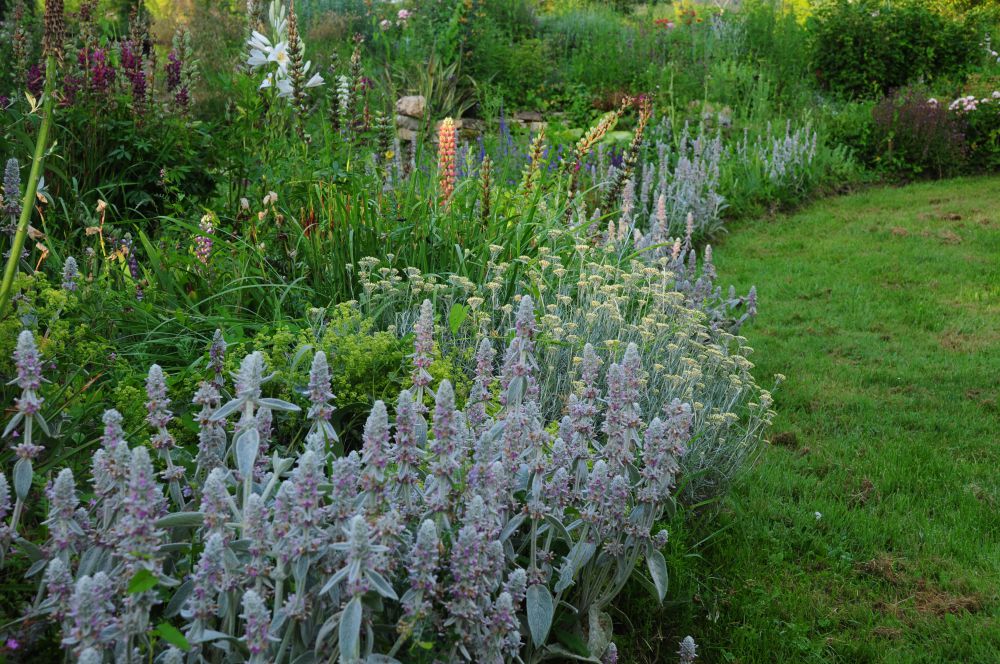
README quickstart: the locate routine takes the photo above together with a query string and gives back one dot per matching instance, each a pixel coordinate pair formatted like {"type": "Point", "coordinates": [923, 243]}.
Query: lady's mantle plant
{"type": "Point", "coordinates": [485, 534]}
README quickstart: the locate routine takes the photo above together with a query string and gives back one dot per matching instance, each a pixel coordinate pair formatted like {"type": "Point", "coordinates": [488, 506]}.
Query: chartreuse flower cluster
{"type": "Point", "coordinates": [454, 534]}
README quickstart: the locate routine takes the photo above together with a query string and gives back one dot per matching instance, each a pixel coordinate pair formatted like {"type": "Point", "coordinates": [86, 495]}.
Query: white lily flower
{"type": "Point", "coordinates": [279, 54]}
{"type": "Point", "coordinates": [268, 81]}
{"type": "Point", "coordinates": [257, 58]}
{"type": "Point", "coordinates": [314, 81]}
{"type": "Point", "coordinates": [259, 42]}
{"type": "Point", "coordinates": [284, 88]}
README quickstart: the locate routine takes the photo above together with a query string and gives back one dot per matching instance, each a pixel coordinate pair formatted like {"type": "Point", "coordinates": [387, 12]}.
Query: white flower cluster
{"type": "Point", "coordinates": [969, 103]}
{"type": "Point", "coordinates": [264, 52]}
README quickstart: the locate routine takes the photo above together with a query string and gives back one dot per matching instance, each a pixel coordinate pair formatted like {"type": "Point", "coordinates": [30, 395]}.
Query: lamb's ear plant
{"type": "Point", "coordinates": [483, 534]}
{"type": "Point", "coordinates": [55, 30]}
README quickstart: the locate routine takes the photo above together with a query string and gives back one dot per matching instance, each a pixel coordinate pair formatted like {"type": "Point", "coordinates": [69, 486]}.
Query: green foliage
{"type": "Point", "coordinates": [869, 47]}
{"type": "Point", "coordinates": [882, 306]}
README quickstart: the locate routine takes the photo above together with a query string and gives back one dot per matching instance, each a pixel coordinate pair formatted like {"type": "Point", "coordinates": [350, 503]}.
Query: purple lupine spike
{"type": "Point", "coordinates": [423, 355]}
{"type": "Point", "coordinates": [257, 624]}
{"type": "Point", "coordinates": [375, 456]}
{"type": "Point", "coordinates": [610, 655]}
{"type": "Point", "coordinates": [407, 454]}
{"type": "Point", "coordinates": [688, 651]}
{"type": "Point", "coordinates": [752, 302]}
{"type": "Point", "coordinates": [64, 530]}
{"type": "Point", "coordinates": [91, 612]}
{"type": "Point", "coordinates": [211, 432]}
{"type": "Point", "coordinates": [139, 540]}
{"type": "Point", "coordinates": [208, 580]}
{"type": "Point", "coordinates": [70, 275]}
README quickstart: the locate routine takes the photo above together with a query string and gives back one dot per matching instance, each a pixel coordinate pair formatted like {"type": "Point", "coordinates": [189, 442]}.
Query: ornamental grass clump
{"type": "Point", "coordinates": [483, 533]}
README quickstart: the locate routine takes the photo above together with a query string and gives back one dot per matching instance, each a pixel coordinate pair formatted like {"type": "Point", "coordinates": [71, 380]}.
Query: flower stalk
{"type": "Point", "coordinates": [30, 190]}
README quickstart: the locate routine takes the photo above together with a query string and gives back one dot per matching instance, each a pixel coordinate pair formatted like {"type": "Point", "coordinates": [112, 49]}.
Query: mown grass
{"type": "Point", "coordinates": [869, 531]}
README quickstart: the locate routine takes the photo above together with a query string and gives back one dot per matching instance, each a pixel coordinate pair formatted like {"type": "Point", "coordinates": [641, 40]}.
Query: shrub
{"type": "Point", "coordinates": [915, 135]}
{"type": "Point", "coordinates": [870, 47]}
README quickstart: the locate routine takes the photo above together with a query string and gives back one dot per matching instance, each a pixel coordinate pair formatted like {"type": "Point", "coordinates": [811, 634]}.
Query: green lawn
{"type": "Point", "coordinates": [870, 529]}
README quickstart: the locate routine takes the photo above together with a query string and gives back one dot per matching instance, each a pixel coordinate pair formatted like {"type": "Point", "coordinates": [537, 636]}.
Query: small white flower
{"type": "Point", "coordinates": [819, 516]}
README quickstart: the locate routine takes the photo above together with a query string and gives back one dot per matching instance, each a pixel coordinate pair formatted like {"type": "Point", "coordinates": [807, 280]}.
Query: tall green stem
{"type": "Point", "coordinates": [28, 203]}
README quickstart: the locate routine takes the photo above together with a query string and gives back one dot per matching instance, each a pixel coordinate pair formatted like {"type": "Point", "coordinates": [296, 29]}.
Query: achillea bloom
{"type": "Point", "coordinates": [446, 159]}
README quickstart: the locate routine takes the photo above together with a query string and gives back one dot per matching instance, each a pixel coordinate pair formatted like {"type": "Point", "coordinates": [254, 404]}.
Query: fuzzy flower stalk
{"type": "Point", "coordinates": [54, 36]}
{"type": "Point", "coordinates": [28, 363]}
